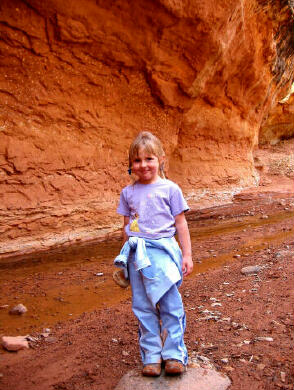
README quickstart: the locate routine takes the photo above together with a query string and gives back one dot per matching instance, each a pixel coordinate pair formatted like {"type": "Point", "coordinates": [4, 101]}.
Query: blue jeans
{"type": "Point", "coordinates": [161, 328]}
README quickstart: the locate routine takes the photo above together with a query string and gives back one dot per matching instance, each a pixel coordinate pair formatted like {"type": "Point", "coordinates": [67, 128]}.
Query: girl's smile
{"type": "Point", "coordinates": [146, 167]}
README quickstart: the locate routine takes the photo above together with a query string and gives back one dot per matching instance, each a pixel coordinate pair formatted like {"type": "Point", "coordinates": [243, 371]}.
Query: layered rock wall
{"type": "Point", "coordinates": [79, 79]}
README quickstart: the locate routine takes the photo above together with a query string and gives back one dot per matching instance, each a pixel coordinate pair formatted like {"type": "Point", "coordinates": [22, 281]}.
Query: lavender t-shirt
{"type": "Point", "coordinates": [152, 208]}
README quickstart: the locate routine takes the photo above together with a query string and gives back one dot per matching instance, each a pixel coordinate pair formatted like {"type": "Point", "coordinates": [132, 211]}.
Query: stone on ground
{"type": "Point", "coordinates": [18, 309]}
{"type": "Point", "coordinates": [196, 378]}
{"type": "Point", "coordinates": [251, 269]}
{"type": "Point", "coordinates": [14, 343]}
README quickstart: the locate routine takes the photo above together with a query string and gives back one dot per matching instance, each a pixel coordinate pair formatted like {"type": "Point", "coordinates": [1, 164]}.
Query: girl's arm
{"type": "Point", "coordinates": [124, 234]}
{"type": "Point", "coordinates": [185, 241]}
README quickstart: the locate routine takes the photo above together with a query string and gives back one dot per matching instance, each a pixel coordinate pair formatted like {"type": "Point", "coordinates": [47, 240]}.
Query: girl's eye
{"type": "Point", "coordinates": [150, 158]}
{"type": "Point", "coordinates": [137, 160]}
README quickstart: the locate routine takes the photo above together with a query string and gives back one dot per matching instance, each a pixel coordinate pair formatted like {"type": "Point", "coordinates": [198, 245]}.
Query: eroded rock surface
{"type": "Point", "coordinates": [79, 82]}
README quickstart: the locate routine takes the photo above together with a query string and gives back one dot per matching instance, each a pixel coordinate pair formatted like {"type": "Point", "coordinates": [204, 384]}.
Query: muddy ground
{"type": "Point", "coordinates": [241, 325]}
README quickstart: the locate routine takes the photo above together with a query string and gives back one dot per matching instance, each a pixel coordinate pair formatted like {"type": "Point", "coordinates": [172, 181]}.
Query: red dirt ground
{"type": "Point", "coordinates": [94, 350]}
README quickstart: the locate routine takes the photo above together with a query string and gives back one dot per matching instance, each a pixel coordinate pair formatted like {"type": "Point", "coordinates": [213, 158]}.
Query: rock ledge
{"type": "Point", "coordinates": [196, 378]}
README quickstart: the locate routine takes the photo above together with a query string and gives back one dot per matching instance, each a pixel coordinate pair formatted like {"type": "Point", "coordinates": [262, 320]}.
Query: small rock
{"type": "Point", "coordinates": [216, 304]}
{"type": "Point", "coordinates": [31, 339]}
{"type": "Point", "coordinates": [203, 358]}
{"type": "Point", "coordinates": [264, 339]}
{"type": "Point", "coordinates": [237, 256]}
{"type": "Point", "coordinates": [283, 376]}
{"type": "Point", "coordinates": [251, 269]}
{"type": "Point", "coordinates": [260, 366]}
{"type": "Point", "coordinates": [99, 274]}
{"type": "Point", "coordinates": [225, 360]}
{"type": "Point", "coordinates": [4, 306]}
{"type": "Point", "coordinates": [18, 309]}
{"type": "Point", "coordinates": [125, 353]}
{"type": "Point", "coordinates": [14, 343]}
{"type": "Point", "coordinates": [205, 311]}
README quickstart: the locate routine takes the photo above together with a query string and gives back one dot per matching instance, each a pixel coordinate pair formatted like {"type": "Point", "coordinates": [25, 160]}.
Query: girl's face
{"type": "Point", "coordinates": [146, 167]}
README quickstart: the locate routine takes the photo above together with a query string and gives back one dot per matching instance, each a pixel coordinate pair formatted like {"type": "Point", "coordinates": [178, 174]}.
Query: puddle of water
{"type": "Point", "coordinates": [60, 304]}
{"type": "Point", "coordinates": [250, 247]}
{"type": "Point", "coordinates": [68, 257]}
{"type": "Point", "coordinates": [59, 299]}
{"type": "Point", "coordinates": [226, 227]}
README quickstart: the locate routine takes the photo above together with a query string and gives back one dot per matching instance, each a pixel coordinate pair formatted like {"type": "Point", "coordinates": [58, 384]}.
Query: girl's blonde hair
{"type": "Point", "coordinates": [150, 144]}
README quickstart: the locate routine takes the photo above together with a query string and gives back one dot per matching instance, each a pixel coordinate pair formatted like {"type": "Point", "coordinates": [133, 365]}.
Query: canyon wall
{"type": "Point", "coordinates": [79, 79]}
{"type": "Point", "coordinates": [279, 124]}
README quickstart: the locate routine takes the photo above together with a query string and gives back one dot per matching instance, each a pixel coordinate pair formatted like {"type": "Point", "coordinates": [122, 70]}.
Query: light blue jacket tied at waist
{"type": "Point", "coordinates": [159, 261]}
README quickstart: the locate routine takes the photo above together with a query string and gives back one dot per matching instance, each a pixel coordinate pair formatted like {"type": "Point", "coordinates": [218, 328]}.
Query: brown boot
{"type": "Point", "coordinates": [174, 367]}
{"type": "Point", "coordinates": [152, 369]}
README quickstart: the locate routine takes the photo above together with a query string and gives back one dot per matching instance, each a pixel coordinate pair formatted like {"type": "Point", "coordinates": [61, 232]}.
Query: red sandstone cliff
{"type": "Point", "coordinates": [279, 124]}
{"type": "Point", "coordinates": [79, 79]}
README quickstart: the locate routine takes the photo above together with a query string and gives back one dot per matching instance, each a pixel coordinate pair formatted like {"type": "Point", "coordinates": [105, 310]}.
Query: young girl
{"type": "Point", "coordinates": [153, 210]}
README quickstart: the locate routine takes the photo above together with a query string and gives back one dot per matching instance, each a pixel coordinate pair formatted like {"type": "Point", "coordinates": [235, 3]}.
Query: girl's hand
{"type": "Point", "coordinates": [187, 266]}
{"type": "Point", "coordinates": [184, 237]}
